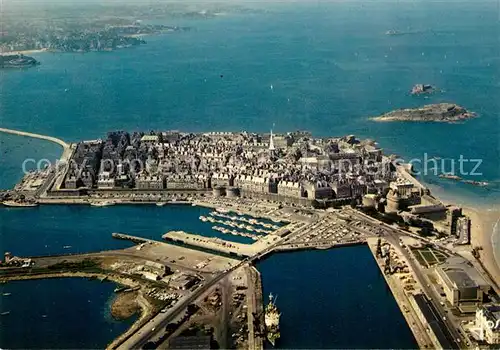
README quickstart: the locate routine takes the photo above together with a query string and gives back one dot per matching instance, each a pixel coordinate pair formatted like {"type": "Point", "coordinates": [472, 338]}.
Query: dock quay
{"type": "Point", "coordinates": [399, 288]}
{"type": "Point", "coordinates": [220, 245]}
{"type": "Point", "coordinates": [255, 309]}
{"type": "Point", "coordinates": [134, 239]}
{"type": "Point", "coordinates": [317, 245]}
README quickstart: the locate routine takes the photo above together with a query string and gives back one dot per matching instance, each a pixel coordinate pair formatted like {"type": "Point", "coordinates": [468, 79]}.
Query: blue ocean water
{"type": "Point", "coordinates": [66, 313]}
{"type": "Point", "coordinates": [86, 229]}
{"type": "Point", "coordinates": [17, 153]}
{"type": "Point", "coordinates": [330, 65]}
{"type": "Point", "coordinates": [334, 299]}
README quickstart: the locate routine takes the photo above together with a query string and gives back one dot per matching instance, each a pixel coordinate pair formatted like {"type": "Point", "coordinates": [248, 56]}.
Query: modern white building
{"type": "Point", "coordinates": [487, 324]}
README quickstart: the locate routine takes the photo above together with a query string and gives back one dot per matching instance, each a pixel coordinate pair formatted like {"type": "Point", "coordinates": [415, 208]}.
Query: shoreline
{"type": "Point", "coordinates": [485, 234]}
{"type": "Point", "coordinates": [485, 227]}
{"type": "Point", "coordinates": [145, 308]}
{"type": "Point", "coordinates": [22, 52]}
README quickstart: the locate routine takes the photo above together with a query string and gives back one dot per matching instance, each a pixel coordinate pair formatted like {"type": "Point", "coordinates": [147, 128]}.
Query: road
{"type": "Point", "coordinates": [392, 236]}
{"type": "Point", "coordinates": [160, 321]}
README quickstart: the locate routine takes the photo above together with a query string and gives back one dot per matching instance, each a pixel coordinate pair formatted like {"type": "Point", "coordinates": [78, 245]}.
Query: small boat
{"type": "Point", "coordinates": [15, 204]}
{"type": "Point", "coordinates": [222, 210]}
{"type": "Point", "coordinates": [160, 204]}
{"type": "Point", "coordinates": [6, 294]}
{"type": "Point", "coordinates": [5, 313]}
{"type": "Point", "coordinates": [102, 203]}
{"type": "Point", "coordinates": [66, 247]}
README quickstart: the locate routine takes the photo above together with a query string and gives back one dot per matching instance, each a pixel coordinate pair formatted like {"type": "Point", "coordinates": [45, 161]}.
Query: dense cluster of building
{"type": "Point", "coordinates": [80, 39]}
{"type": "Point", "coordinates": [288, 166]}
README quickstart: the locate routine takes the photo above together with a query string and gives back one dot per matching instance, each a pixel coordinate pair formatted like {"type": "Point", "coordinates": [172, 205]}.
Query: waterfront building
{"type": "Point", "coordinates": [150, 182]}
{"type": "Point", "coordinates": [452, 216]}
{"type": "Point", "coordinates": [291, 167]}
{"type": "Point", "coordinates": [461, 282]}
{"type": "Point", "coordinates": [429, 207]}
{"type": "Point", "coordinates": [87, 178]}
{"type": "Point", "coordinates": [71, 182]}
{"type": "Point", "coordinates": [256, 184]}
{"type": "Point", "coordinates": [105, 180]}
{"type": "Point", "coordinates": [290, 189]}
{"type": "Point", "coordinates": [186, 182]}
{"type": "Point", "coordinates": [463, 230]}
{"type": "Point", "coordinates": [218, 179]}
{"type": "Point", "coordinates": [318, 190]}
{"type": "Point", "coordinates": [487, 322]}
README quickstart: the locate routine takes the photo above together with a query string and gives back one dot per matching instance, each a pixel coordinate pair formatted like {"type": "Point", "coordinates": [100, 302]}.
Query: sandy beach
{"type": "Point", "coordinates": [483, 222]}
{"type": "Point", "coordinates": [25, 52]}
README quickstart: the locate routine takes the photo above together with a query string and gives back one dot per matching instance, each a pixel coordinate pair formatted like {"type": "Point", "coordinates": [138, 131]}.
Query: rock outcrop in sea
{"type": "Point", "coordinates": [441, 112]}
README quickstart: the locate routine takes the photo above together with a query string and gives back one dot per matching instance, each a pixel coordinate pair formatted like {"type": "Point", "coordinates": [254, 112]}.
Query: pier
{"type": "Point", "coordinates": [397, 287]}
{"type": "Point", "coordinates": [134, 239]}
{"type": "Point", "coordinates": [220, 245]}
{"type": "Point", "coordinates": [317, 245]}
{"type": "Point", "coordinates": [60, 142]}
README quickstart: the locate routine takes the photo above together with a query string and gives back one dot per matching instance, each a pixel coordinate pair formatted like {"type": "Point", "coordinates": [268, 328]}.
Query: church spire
{"type": "Point", "coordinates": [271, 142]}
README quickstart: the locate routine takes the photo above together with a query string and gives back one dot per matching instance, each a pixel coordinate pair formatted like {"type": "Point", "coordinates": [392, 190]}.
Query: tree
{"type": "Point", "coordinates": [378, 252]}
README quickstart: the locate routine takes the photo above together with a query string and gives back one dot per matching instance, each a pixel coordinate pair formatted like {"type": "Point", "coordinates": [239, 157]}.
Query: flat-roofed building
{"type": "Point", "coordinates": [463, 230]}
{"type": "Point", "coordinates": [149, 139]}
{"type": "Point", "coordinates": [184, 282]}
{"type": "Point", "coordinates": [461, 282]}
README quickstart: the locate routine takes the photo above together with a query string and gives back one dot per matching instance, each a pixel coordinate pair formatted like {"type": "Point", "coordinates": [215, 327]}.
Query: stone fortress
{"type": "Point", "coordinates": [293, 167]}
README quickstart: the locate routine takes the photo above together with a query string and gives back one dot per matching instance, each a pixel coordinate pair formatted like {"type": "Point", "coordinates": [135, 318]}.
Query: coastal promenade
{"type": "Point", "coordinates": [60, 142]}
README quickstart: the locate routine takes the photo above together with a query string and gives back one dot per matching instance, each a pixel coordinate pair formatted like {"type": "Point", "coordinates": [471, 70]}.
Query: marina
{"type": "Point", "coordinates": [327, 297]}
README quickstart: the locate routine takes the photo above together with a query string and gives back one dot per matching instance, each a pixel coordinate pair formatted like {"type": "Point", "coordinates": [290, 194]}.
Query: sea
{"type": "Point", "coordinates": [323, 66]}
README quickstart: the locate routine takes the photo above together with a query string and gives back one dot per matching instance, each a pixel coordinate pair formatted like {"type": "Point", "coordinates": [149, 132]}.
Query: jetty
{"type": "Point", "coordinates": [60, 142]}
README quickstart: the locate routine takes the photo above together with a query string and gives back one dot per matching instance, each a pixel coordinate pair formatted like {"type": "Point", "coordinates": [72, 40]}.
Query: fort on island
{"type": "Point", "coordinates": [280, 192]}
